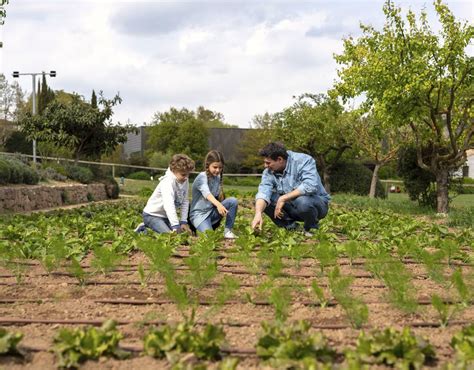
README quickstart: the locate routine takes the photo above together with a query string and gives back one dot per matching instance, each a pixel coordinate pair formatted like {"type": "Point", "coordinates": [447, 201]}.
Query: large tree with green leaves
{"type": "Point", "coordinates": [88, 132]}
{"type": "Point", "coordinates": [178, 131]}
{"type": "Point", "coordinates": [316, 125]}
{"type": "Point", "coordinates": [411, 76]}
{"type": "Point", "coordinates": [379, 142]}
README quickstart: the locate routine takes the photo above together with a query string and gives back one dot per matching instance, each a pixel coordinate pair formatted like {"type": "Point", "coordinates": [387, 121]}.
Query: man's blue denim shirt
{"type": "Point", "coordinates": [300, 173]}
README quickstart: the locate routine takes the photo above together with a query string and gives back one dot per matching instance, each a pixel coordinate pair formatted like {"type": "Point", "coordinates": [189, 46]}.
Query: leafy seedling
{"type": "Point", "coordinates": [9, 342]}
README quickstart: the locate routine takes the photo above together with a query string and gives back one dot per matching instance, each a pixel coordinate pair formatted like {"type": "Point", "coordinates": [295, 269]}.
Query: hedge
{"type": "Point", "coordinates": [355, 178]}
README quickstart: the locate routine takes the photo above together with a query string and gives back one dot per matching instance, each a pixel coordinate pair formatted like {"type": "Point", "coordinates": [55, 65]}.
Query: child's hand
{"type": "Point", "coordinates": [185, 228]}
{"type": "Point", "coordinates": [221, 209]}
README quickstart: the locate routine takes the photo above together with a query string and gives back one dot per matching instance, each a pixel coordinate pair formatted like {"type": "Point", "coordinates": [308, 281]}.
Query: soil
{"type": "Point", "coordinates": [38, 294]}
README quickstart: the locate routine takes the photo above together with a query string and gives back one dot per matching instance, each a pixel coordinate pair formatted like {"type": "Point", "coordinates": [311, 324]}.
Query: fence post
{"type": "Point", "coordinates": [113, 171]}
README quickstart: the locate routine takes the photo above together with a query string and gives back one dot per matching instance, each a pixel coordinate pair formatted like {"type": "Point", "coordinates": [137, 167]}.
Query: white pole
{"type": "Point", "coordinates": [34, 112]}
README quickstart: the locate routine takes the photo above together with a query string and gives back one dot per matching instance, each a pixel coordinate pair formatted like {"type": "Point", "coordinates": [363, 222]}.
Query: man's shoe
{"type": "Point", "coordinates": [229, 235]}
{"type": "Point", "coordinates": [140, 228]}
{"type": "Point", "coordinates": [308, 234]}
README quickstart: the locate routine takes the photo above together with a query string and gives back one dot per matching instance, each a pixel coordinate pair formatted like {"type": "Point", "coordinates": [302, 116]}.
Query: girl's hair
{"type": "Point", "coordinates": [181, 163]}
{"type": "Point", "coordinates": [212, 157]}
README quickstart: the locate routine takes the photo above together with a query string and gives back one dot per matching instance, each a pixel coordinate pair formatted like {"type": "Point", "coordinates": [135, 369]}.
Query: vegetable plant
{"type": "Point", "coordinates": [73, 346]}
{"type": "Point", "coordinates": [401, 349]}
{"type": "Point", "coordinates": [9, 342]}
{"type": "Point", "coordinates": [285, 345]}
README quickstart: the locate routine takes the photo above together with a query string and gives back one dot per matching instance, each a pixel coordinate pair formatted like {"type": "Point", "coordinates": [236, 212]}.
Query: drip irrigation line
{"type": "Point", "coordinates": [244, 285]}
{"type": "Point", "coordinates": [141, 302]}
{"type": "Point", "coordinates": [19, 321]}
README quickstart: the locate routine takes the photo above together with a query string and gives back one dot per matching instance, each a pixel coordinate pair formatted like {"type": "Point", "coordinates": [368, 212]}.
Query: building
{"type": "Point", "coordinates": [468, 169]}
{"type": "Point", "coordinates": [226, 140]}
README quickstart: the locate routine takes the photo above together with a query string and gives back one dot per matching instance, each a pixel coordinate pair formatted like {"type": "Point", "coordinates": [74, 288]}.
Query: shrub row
{"type": "Point", "coordinates": [14, 171]}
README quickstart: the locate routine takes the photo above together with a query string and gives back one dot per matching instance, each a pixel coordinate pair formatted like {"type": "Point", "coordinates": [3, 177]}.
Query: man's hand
{"type": "Point", "coordinates": [257, 221]}
{"type": "Point", "coordinates": [185, 228]}
{"type": "Point", "coordinates": [279, 207]}
{"type": "Point", "coordinates": [221, 209]}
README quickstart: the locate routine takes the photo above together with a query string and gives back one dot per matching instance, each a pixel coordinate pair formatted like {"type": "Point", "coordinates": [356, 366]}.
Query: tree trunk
{"type": "Point", "coordinates": [327, 184]}
{"type": "Point", "coordinates": [373, 184]}
{"type": "Point", "coordinates": [442, 191]}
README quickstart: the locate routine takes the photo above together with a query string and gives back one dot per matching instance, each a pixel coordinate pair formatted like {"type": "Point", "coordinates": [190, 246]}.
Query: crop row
{"type": "Point", "coordinates": [280, 345]}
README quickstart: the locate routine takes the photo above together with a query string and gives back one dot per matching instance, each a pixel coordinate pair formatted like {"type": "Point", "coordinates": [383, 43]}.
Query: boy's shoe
{"type": "Point", "coordinates": [308, 234]}
{"type": "Point", "coordinates": [229, 235]}
{"type": "Point", "coordinates": [140, 228]}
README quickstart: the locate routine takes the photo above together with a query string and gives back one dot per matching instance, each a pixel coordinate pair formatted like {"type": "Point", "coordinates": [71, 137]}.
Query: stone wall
{"type": "Point", "coordinates": [21, 198]}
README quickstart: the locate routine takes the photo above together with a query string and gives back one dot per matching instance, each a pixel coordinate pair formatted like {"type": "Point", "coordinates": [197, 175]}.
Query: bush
{"type": "Point", "coordinates": [354, 178]}
{"type": "Point", "coordinates": [139, 175]}
{"type": "Point", "coordinates": [418, 182]}
{"type": "Point", "coordinates": [14, 171]}
{"type": "Point", "coordinates": [81, 174]}
{"type": "Point", "coordinates": [30, 176]}
{"type": "Point", "coordinates": [50, 173]}
{"type": "Point", "coordinates": [5, 171]}
{"type": "Point", "coordinates": [111, 187]}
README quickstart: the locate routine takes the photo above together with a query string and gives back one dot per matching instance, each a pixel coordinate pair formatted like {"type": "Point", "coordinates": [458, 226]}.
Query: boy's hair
{"type": "Point", "coordinates": [212, 157]}
{"type": "Point", "coordinates": [273, 151]}
{"type": "Point", "coordinates": [181, 163]}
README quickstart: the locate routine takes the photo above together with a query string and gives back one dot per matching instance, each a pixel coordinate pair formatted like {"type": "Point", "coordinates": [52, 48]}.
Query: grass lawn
{"type": "Point", "coordinates": [133, 187]}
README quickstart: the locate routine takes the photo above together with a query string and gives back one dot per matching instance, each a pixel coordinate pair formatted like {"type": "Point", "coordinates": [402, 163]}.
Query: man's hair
{"type": "Point", "coordinates": [273, 151]}
{"type": "Point", "coordinates": [181, 163]}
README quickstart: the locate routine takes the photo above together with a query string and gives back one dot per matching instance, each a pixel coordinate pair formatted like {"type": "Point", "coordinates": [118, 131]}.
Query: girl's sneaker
{"type": "Point", "coordinates": [140, 228]}
{"type": "Point", "coordinates": [228, 234]}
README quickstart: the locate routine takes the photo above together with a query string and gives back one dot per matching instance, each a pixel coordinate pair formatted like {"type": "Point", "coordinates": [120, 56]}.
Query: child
{"type": "Point", "coordinates": [171, 193]}
{"type": "Point", "coordinates": [208, 206]}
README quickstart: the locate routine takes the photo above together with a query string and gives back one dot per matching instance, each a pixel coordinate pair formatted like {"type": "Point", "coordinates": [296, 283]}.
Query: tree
{"type": "Point", "coordinates": [211, 119]}
{"type": "Point", "coordinates": [3, 14]}
{"type": "Point", "coordinates": [412, 77]}
{"type": "Point", "coordinates": [178, 131]}
{"type": "Point", "coordinates": [45, 95]}
{"type": "Point", "coordinates": [255, 139]}
{"type": "Point", "coordinates": [94, 99]}
{"type": "Point", "coordinates": [379, 142]}
{"type": "Point", "coordinates": [86, 131]}
{"type": "Point", "coordinates": [11, 98]}
{"type": "Point", "coordinates": [316, 125]}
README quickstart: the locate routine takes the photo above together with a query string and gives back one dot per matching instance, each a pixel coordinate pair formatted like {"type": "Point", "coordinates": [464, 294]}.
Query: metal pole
{"type": "Point", "coordinates": [34, 112]}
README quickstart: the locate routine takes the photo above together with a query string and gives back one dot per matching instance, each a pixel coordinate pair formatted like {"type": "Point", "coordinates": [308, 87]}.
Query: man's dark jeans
{"type": "Point", "coordinates": [306, 208]}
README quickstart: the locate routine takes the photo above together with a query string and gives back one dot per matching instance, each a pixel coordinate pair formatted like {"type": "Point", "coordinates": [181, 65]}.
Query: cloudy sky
{"type": "Point", "coordinates": [240, 58]}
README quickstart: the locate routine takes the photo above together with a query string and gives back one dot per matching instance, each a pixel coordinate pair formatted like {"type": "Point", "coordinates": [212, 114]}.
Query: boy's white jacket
{"type": "Point", "coordinates": [168, 196]}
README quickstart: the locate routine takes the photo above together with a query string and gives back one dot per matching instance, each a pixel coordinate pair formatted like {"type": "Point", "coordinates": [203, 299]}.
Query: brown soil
{"type": "Point", "coordinates": [39, 295]}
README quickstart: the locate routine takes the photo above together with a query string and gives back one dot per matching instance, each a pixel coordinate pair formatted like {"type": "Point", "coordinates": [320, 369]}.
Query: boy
{"type": "Point", "coordinates": [160, 213]}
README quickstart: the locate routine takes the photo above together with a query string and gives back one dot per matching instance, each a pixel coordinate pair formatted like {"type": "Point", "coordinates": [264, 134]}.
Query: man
{"type": "Point", "coordinates": [290, 190]}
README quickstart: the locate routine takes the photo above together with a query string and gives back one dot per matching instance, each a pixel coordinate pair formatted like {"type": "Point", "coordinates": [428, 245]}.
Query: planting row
{"type": "Point", "coordinates": [279, 345]}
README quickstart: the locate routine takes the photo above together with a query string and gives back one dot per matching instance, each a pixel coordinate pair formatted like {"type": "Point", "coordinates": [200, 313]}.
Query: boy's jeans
{"type": "Point", "coordinates": [306, 208]}
{"type": "Point", "coordinates": [158, 224]}
{"type": "Point", "coordinates": [231, 205]}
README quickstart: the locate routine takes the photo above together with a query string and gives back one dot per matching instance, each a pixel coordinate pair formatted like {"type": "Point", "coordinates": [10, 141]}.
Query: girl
{"type": "Point", "coordinates": [160, 213]}
{"type": "Point", "coordinates": [208, 206]}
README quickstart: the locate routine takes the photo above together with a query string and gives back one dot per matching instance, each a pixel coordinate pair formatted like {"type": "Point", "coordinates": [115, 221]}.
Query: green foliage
{"type": "Point", "coordinates": [8, 342]}
{"type": "Point", "coordinates": [356, 310]}
{"type": "Point", "coordinates": [463, 345]}
{"type": "Point", "coordinates": [417, 78]}
{"type": "Point", "coordinates": [73, 346]}
{"type": "Point", "coordinates": [178, 131]}
{"type": "Point", "coordinates": [354, 178]}
{"type": "Point", "coordinates": [417, 181]}
{"type": "Point", "coordinates": [139, 175]}
{"type": "Point", "coordinates": [14, 171]}
{"type": "Point", "coordinates": [174, 341]}
{"type": "Point", "coordinates": [74, 124]}
{"type": "Point", "coordinates": [105, 259]}
{"type": "Point", "coordinates": [17, 142]}
{"type": "Point", "coordinates": [285, 345]}
{"type": "Point", "coordinates": [392, 348]}
{"type": "Point", "coordinates": [81, 174]}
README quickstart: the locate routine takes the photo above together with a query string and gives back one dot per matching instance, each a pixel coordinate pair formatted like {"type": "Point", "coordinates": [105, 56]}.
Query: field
{"type": "Point", "coordinates": [368, 268]}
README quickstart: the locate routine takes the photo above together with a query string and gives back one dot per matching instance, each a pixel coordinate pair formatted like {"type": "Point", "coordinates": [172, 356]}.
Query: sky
{"type": "Point", "coordinates": [240, 58]}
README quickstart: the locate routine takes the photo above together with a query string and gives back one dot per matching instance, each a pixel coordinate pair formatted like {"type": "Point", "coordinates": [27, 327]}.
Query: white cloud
{"type": "Point", "coordinates": [238, 57]}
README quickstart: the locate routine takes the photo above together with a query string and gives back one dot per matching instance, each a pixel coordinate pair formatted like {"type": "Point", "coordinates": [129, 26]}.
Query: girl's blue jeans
{"type": "Point", "coordinates": [231, 205]}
